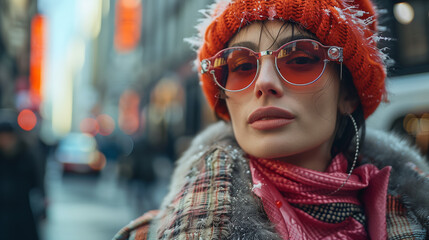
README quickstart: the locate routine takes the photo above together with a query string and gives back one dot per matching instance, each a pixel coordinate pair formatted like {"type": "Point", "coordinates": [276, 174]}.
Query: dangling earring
{"type": "Point", "coordinates": [355, 157]}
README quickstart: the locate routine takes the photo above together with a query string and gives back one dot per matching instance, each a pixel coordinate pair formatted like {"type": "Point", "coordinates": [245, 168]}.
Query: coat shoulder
{"type": "Point", "coordinates": [137, 229]}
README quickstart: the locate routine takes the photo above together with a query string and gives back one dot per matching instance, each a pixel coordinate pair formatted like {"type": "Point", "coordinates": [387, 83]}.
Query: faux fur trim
{"type": "Point", "coordinates": [409, 177]}
{"type": "Point", "coordinates": [248, 218]}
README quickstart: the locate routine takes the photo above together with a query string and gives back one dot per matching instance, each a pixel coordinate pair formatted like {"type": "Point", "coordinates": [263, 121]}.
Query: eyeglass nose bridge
{"type": "Point", "coordinates": [261, 54]}
{"type": "Point", "coordinates": [265, 53]}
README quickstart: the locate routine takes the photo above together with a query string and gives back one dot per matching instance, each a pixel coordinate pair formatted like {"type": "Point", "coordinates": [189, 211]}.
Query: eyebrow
{"type": "Point", "coordinates": [250, 45]}
{"type": "Point", "coordinates": [285, 40]}
{"type": "Point", "coordinates": [277, 44]}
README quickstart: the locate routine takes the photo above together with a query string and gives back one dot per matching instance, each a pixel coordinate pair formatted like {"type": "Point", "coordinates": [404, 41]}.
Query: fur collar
{"type": "Point", "coordinates": [381, 149]}
{"type": "Point", "coordinates": [409, 177]}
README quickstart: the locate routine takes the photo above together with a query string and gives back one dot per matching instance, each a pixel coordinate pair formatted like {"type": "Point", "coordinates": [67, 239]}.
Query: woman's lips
{"type": "Point", "coordinates": [267, 118]}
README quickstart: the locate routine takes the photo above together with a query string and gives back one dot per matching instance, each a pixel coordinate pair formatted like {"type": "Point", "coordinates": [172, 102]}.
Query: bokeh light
{"type": "Point", "coordinates": [98, 162]}
{"type": "Point", "coordinates": [128, 119]}
{"type": "Point", "coordinates": [404, 12]}
{"type": "Point", "coordinates": [27, 120]}
{"type": "Point", "coordinates": [90, 126]}
{"type": "Point", "coordinates": [106, 124]}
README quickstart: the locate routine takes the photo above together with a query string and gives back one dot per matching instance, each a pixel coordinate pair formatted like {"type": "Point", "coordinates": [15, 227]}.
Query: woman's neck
{"type": "Point", "coordinates": [317, 159]}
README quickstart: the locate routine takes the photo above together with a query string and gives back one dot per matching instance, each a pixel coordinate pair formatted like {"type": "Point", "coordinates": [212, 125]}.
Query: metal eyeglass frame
{"type": "Point", "coordinates": [333, 53]}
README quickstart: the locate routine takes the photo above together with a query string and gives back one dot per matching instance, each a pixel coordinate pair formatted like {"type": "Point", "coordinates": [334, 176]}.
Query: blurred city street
{"type": "Point", "coordinates": [99, 98]}
{"type": "Point", "coordinates": [85, 207]}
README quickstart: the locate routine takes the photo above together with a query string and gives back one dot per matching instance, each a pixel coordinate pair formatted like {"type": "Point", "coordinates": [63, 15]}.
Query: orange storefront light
{"type": "Point", "coordinates": [128, 20]}
{"type": "Point", "coordinates": [37, 56]}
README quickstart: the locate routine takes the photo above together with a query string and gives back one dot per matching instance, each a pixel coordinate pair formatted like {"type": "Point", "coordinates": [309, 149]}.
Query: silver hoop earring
{"type": "Point", "coordinates": [355, 157]}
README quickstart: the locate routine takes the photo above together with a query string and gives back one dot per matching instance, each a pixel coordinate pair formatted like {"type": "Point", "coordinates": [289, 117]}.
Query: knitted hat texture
{"type": "Point", "coordinates": [350, 24]}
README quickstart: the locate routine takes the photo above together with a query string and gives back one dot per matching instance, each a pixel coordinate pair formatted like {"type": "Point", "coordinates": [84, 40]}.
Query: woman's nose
{"type": "Point", "coordinates": [268, 82]}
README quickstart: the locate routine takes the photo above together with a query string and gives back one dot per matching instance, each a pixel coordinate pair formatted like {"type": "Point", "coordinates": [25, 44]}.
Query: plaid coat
{"type": "Point", "coordinates": [210, 195]}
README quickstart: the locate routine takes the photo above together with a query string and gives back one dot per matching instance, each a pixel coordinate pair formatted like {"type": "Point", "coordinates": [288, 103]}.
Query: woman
{"type": "Point", "coordinates": [293, 82]}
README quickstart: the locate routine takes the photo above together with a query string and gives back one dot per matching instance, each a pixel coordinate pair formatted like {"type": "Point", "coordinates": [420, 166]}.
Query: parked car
{"type": "Point", "coordinates": [408, 94]}
{"type": "Point", "coordinates": [78, 152]}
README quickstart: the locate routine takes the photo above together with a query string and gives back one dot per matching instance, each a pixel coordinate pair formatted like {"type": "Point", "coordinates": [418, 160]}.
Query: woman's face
{"type": "Point", "coordinates": [275, 120]}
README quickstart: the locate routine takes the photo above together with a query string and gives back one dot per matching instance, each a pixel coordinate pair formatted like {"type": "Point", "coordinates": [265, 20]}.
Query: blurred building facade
{"type": "Point", "coordinates": [150, 88]}
{"type": "Point", "coordinates": [15, 24]}
{"type": "Point", "coordinates": [117, 69]}
{"type": "Point", "coordinates": [159, 69]}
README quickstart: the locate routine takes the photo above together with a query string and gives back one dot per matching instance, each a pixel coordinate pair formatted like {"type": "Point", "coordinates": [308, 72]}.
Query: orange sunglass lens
{"type": "Point", "coordinates": [300, 63]}
{"type": "Point", "coordinates": [236, 69]}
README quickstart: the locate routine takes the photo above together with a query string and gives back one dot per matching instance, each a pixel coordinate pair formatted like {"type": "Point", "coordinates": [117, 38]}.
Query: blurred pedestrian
{"type": "Point", "coordinates": [143, 177]}
{"type": "Point", "coordinates": [20, 185]}
{"type": "Point", "coordinates": [292, 82]}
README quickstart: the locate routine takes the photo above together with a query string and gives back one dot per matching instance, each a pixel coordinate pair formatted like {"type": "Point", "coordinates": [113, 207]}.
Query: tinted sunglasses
{"type": "Point", "coordinates": [299, 63]}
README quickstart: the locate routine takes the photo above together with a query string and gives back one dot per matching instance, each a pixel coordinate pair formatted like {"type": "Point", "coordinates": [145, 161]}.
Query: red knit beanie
{"type": "Point", "coordinates": [350, 24]}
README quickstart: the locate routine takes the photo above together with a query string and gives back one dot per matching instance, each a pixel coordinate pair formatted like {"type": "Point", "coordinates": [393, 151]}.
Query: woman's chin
{"type": "Point", "coordinates": [269, 154]}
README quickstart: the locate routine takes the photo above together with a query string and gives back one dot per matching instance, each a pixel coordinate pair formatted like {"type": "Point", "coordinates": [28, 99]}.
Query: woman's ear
{"type": "Point", "coordinates": [347, 103]}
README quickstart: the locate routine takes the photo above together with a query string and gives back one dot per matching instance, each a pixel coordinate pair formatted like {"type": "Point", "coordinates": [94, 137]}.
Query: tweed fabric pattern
{"type": "Point", "coordinates": [351, 25]}
{"type": "Point", "coordinates": [137, 229]}
{"type": "Point", "coordinates": [201, 209]}
{"type": "Point", "coordinates": [400, 225]}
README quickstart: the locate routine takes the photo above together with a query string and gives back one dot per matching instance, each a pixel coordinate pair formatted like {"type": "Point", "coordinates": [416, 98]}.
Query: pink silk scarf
{"type": "Point", "coordinates": [279, 184]}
